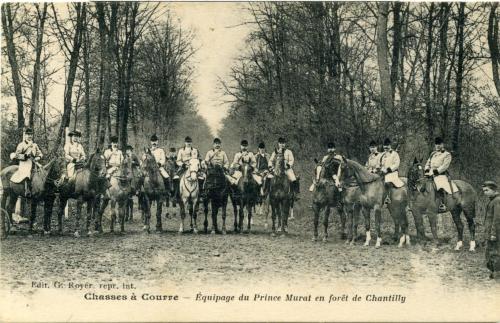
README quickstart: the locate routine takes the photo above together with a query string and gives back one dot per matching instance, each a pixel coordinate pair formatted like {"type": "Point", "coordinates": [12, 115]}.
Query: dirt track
{"type": "Point", "coordinates": [243, 258]}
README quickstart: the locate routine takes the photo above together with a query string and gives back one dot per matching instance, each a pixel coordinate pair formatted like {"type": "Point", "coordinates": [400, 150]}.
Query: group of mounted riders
{"type": "Point", "coordinates": [260, 168]}
{"type": "Point", "coordinates": [189, 179]}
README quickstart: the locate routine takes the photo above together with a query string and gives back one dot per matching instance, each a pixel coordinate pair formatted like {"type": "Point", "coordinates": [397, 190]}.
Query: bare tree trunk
{"type": "Point", "coordinates": [86, 72]}
{"type": "Point", "coordinates": [429, 117]}
{"type": "Point", "coordinates": [396, 46]}
{"type": "Point", "coordinates": [459, 76]}
{"type": "Point", "coordinates": [36, 70]}
{"type": "Point", "coordinates": [386, 95]}
{"type": "Point", "coordinates": [73, 64]}
{"type": "Point", "coordinates": [493, 45]}
{"type": "Point", "coordinates": [8, 31]}
{"type": "Point", "coordinates": [443, 48]}
{"type": "Point", "coordinates": [107, 68]}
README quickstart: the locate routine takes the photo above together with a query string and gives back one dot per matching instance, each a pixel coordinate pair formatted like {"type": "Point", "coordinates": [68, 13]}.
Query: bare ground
{"type": "Point", "coordinates": [238, 258]}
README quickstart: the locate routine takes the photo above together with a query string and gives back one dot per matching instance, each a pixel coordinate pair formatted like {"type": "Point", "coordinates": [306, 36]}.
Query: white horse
{"type": "Point", "coordinates": [189, 191]}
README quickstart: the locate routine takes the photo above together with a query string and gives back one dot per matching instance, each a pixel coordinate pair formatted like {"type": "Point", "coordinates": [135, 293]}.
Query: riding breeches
{"type": "Point", "coordinates": [291, 175]}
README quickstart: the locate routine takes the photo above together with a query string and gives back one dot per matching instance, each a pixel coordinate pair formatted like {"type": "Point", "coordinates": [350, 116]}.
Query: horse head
{"type": "Point", "coordinates": [246, 171]}
{"type": "Point", "coordinates": [96, 164]}
{"type": "Point", "coordinates": [416, 178]}
{"type": "Point", "coordinates": [193, 169]}
{"type": "Point", "coordinates": [279, 165]}
{"type": "Point", "coordinates": [151, 168]}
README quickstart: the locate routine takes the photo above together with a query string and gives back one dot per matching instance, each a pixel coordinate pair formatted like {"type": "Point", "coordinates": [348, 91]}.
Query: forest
{"type": "Point", "coordinates": [354, 72]}
{"type": "Point", "coordinates": [116, 68]}
{"type": "Point", "coordinates": [313, 72]}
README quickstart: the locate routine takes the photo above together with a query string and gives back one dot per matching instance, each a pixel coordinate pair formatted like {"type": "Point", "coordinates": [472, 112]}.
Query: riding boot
{"type": "Point", "coordinates": [442, 206]}
{"type": "Point", "coordinates": [27, 190]}
{"type": "Point", "coordinates": [296, 189]}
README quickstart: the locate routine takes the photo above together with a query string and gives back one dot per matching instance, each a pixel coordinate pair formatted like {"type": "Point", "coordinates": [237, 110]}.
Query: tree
{"type": "Point", "coordinates": [493, 43]}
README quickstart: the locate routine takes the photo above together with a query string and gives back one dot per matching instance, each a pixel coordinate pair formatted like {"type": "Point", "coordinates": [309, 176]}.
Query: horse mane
{"type": "Point", "coordinates": [363, 176]}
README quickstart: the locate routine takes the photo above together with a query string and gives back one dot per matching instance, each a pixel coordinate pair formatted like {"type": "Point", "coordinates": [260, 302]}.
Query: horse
{"type": "Point", "coordinates": [89, 184]}
{"type": "Point", "coordinates": [173, 195]}
{"type": "Point", "coordinates": [371, 197]}
{"type": "Point", "coordinates": [135, 190]}
{"type": "Point", "coordinates": [325, 196]}
{"type": "Point", "coordinates": [423, 201]}
{"type": "Point", "coordinates": [189, 191]}
{"type": "Point", "coordinates": [153, 190]}
{"type": "Point", "coordinates": [247, 194]}
{"type": "Point", "coordinates": [118, 193]}
{"type": "Point", "coordinates": [43, 188]}
{"type": "Point", "coordinates": [216, 192]}
{"type": "Point", "coordinates": [280, 196]}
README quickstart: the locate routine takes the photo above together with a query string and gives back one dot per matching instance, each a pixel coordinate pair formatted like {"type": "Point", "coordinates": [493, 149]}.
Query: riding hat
{"type": "Point", "coordinates": [330, 145]}
{"type": "Point", "coordinates": [129, 147]}
{"type": "Point", "coordinates": [188, 139]}
{"type": "Point", "coordinates": [28, 131]}
{"type": "Point", "coordinates": [114, 139]}
{"type": "Point", "coordinates": [490, 184]}
{"type": "Point", "coordinates": [172, 149]}
{"type": "Point", "coordinates": [154, 138]}
{"type": "Point", "coordinates": [438, 141]}
{"type": "Point", "coordinates": [281, 140]}
{"type": "Point", "coordinates": [262, 145]}
{"type": "Point", "coordinates": [75, 133]}
{"type": "Point", "coordinates": [244, 142]}
{"type": "Point", "coordinates": [387, 142]}
{"type": "Point", "coordinates": [217, 141]}
{"type": "Point", "coordinates": [372, 144]}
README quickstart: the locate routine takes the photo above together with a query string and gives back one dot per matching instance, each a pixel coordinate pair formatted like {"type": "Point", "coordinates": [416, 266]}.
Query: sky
{"type": "Point", "coordinates": [219, 37]}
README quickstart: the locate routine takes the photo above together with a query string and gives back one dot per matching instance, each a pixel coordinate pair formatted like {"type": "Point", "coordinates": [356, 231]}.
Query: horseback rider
{"type": "Point", "coordinates": [261, 169]}
{"type": "Point", "coordinates": [389, 165]}
{"type": "Point", "coordinates": [184, 155]}
{"type": "Point", "coordinates": [244, 156]}
{"type": "Point", "coordinates": [172, 154]}
{"type": "Point", "coordinates": [437, 166]}
{"type": "Point", "coordinates": [113, 157]}
{"type": "Point", "coordinates": [216, 156]}
{"type": "Point", "coordinates": [330, 158]}
{"type": "Point", "coordinates": [373, 164]}
{"type": "Point", "coordinates": [74, 154]}
{"type": "Point", "coordinates": [26, 153]}
{"type": "Point", "coordinates": [129, 151]}
{"type": "Point", "coordinates": [160, 158]}
{"type": "Point", "coordinates": [289, 161]}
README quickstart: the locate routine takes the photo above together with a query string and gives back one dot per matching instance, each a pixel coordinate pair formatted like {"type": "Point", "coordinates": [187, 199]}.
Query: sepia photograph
{"type": "Point", "coordinates": [250, 161]}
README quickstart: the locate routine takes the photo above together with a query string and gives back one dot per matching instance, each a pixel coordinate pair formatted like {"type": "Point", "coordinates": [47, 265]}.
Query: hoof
{"type": "Point", "coordinates": [195, 231]}
{"type": "Point", "coordinates": [273, 234]}
{"type": "Point", "coordinates": [325, 239]}
{"type": "Point", "coordinates": [367, 243]}
{"type": "Point", "coordinates": [46, 233]}
{"type": "Point", "coordinates": [224, 232]}
{"type": "Point", "coordinates": [459, 246]}
{"type": "Point", "coordinates": [351, 243]}
{"type": "Point", "coordinates": [379, 242]}
{"type": "Point", "coordinates": [472, 246]}
{"type": "Point", "coordinates": [314, 239]}
{"type": "Point", "coordinates": [76, 234]}
{"type": "Point", "coordinates": [212, 232]}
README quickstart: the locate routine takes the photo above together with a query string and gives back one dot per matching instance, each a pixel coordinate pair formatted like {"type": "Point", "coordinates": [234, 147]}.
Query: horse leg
{"type": "Point", "coordinates": [378, 225]}
{"type": "Point", "coordinates": [147, 213]}
{"type": "Point", "coordinates": [78, 215]}
{"type": "Point", "coordinates": [205, 212]}
{"type": "Point", "coordinates": [356, 210]}
{"type": "Point", "coordinates": [456, 212]}
{"type": "Point", "coordinates": [192, 212]}
{"type": "Point", "coordinates": [325, 223]}
{"type": "Point", "coordinates": [366, 214]}
{"type": "Point", "coordinates": [433, 223]}
{"type": "Point", "coordinates": [316, 210]}
{"type": "Point", "coordinates": [279, 213]}
{"type": "Point", "coordinates": [122, 209]}
{"type": "Point", "coordinates": [215, 211]}
{"type": "Point", "coordinates": [90, 210]}
{"type": "Point", "coordinates": [470, 214]}
{"type": "Point", "coordinates": [32, 219]}
{"type": "Point", "coordinates": [235, 212]}
{"type": "Point", "coordinates": [273, 217]}
{"type": "Point", "coordinates": [113, 215]}
{"type": "Point", "coordinates": [102, 208]}
{"type": "Point", "coordinates": [249, 208]}
{"type": "Point", "coordinates": [183, 216]}
{"type": "Point", "coordinates": [341, 213]}
{"type": "Point", "coordinates": [224, 205]}
{"type": "Point", "coordinates": [4, 216]}
{"type": "Point", "coordinates": [241, 216]}
{"type": "Point", "coordinates": [159, 208]}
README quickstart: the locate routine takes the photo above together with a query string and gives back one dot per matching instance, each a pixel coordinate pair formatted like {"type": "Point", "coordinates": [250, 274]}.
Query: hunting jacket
{"type": "Point", "coordinates": [439, 160]}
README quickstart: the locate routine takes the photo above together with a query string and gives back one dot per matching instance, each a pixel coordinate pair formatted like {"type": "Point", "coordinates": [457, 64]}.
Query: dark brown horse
{"type": "Point", "coordinates": [43, 189]}
{"type": "Point", "coordinates": [423, 201]}
{"type": "Point", "coordinates": [153, 190]}
{"type": "Point", "coordinates": [325, 196]}
{"type": "Point", "coordinates": [216, 192]}
{"type": "Point", "coordinates": [247, 193]}
{"type": "Point", "coordinates": [280, 196]}
{"type": "Point", "coordinates": [88, 186]}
